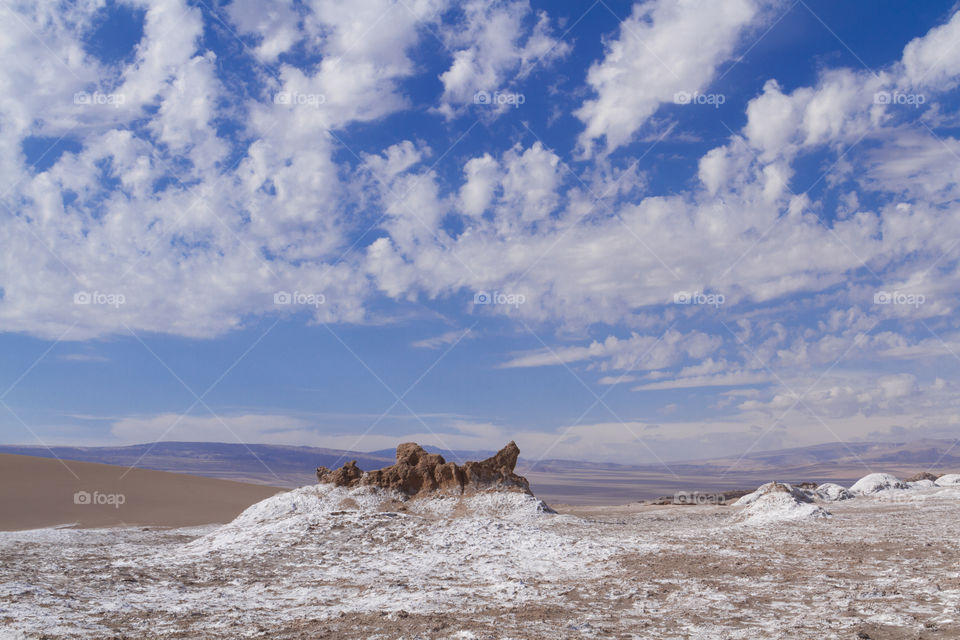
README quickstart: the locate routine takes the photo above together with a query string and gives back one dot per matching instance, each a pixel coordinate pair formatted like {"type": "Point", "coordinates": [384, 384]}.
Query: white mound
{"type": "Point", "coordinates": [316, 509]}
{"type": "Point", "coordinates": [832, 492]}
{"type": "Point", "coordinates": [506, 505]}
{"type": "Point", "coordinates": [876, 482]}
{"type": "Point", "coordinates": [750, 498]}
{"type": "Point", "coordinates": [921, 484]}
{"type": "Point", "coordinates": [362, 549]}
{"type": "Point", "coordinates": [948, 480]}
{"type": "Point", "coordinates": [779, 506]}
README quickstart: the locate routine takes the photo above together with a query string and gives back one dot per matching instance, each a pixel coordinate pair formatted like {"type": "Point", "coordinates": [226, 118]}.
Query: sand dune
{"type": "Point", "coordinates": [43, 492]}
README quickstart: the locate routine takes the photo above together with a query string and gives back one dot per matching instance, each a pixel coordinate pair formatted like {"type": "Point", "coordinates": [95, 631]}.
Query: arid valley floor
{"type": "Point", "coordinates": [330, 562]}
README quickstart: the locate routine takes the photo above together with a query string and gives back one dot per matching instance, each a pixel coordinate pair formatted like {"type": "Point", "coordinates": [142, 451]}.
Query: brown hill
{"type": "Point", "coordinates": [43, 492]}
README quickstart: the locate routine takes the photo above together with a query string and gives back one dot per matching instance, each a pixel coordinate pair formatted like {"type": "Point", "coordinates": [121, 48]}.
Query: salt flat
{"type": "Point", "coordinates": [331, 562]}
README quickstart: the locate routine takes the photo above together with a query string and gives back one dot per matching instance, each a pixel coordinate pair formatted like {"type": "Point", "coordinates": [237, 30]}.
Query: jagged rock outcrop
{"type": "Point", "coordinates": [419, 473]}
{"type": "Point", "coordinates": [345, 475]}
{"type": "Point", "coordinates": [923, 475]}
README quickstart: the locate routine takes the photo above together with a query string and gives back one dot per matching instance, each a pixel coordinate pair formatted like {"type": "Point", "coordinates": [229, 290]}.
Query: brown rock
{"type": "Point", "coordinates": [495, 472]}
{"type": "Point", "coordinates": [418, 473]}
{"type": "Point", "coordinates": [345, 476]}
{"type": "Point", "coordinates": [448, 474]}
{"type": "Point", "coordinates": [923, 475]}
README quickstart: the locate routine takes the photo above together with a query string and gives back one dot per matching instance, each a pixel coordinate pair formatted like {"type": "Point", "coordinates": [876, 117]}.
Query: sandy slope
{"type": "Point", "coordinates": [40, 492]}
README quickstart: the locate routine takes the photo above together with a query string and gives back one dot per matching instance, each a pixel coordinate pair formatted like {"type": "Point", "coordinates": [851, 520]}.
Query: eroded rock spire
{"type": "Point", "coordinates": [418, 472]}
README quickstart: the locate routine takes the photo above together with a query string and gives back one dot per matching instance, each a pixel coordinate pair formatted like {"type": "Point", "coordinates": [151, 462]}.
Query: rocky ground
{"type": "Point", "coordinates": [359, 563]}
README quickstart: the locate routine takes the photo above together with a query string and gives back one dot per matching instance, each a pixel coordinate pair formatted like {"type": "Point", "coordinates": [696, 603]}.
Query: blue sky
{"type": "Point", "coordinates": [695, 228]}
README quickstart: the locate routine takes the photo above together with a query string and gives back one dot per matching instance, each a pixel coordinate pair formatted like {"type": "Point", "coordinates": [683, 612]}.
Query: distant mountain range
{"type": "Point", "coordinates": [940, 453]}
{"type": "Point", "coordinates": [280, 465]}
{"type": "Point", "coordinates": [293, 466]}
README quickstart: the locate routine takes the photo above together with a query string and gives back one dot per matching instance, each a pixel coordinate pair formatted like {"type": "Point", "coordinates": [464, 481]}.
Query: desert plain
{"type": "Point", "coordinates": [338, 562]}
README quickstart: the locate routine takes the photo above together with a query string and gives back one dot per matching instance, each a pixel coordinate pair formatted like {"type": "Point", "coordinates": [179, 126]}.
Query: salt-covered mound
{"type": "Point", "coordinates": [921, 484]}
{"type": "Point", "coordinates": [948, 480]}
{"type": "Point", "coordinates": [289, 518]}
{"type": "Point", "coordinates": [419, 473]}
{"type": "Point", "coordinates": [750, 498]}
{"type": "Point", "coordinates": [420, 492]}
{"type": "Point", "coordinates": [832, 492]}
{"type": "Point", "coordinates": [876, 482]}
{"type": "Point", "coordinates": [781, 502]}
{"type": "Point", "coordinates": [367, 550]}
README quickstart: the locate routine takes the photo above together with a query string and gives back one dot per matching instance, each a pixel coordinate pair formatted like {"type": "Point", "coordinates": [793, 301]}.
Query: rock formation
{"type": "Point", "coordinates": [419, 473]}
{"type": "Point", "coordinates": [923, 475]}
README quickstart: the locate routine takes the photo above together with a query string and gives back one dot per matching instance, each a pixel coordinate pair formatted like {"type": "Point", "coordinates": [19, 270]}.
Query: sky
{"type": "Point", "coordinates": [613, 231]}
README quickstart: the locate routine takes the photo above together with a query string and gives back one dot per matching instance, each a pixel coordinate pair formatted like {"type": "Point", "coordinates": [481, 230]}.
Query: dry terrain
{"type": "Point", "coordinates": [321, 562]}
{"type": "Point", "coordinates": [42, 492]}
